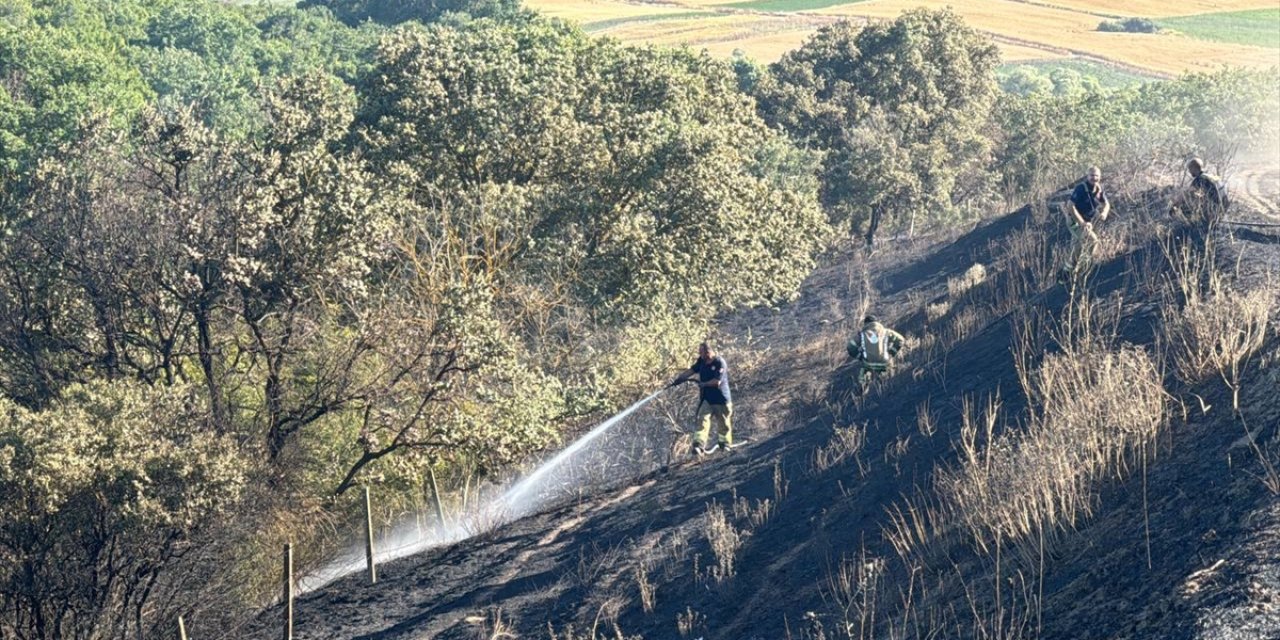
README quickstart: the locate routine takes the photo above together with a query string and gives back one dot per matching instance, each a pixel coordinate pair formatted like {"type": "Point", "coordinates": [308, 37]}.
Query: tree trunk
{"type": "Point", "coordinates": [872, 226]}
{"type": "Point", "coordinates": [205, 340]}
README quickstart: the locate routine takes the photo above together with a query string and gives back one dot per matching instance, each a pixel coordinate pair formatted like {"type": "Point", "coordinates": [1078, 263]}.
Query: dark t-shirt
{"type": "Point", "coordinates": [1086, 202]}
{"type": "Point", "coordinates": [710, 370]}
{"type": "Point", "coordinates": [1214, 194]}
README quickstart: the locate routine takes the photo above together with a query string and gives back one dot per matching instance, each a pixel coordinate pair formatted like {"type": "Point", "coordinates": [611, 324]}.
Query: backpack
{"type": "Point", "coordinates": [1223, 199]}
{"type": "Point", "coordinates": [874, 344]}
{"type": "Point", "coordinates": [1216, 193]}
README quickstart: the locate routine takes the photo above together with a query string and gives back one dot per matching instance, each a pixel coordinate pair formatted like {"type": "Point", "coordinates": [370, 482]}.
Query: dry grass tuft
{"type": "Point", "coordinates": [845, 444]}
{"type": "Point", "coordinates": [689, 621]}
{"type": "Point", "coordinates": [1096, 409]}
{"type": "Point", "coordinates": [935, 312]}
{"type": "Point", "coordinates": [754, 513]}
{"type": "Point", "coordinates": [972, 277]}
{"type": "Point", "coordinates": [725, 540]}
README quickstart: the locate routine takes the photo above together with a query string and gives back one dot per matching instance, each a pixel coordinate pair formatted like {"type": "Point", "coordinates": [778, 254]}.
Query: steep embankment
{"type": "Point", "coordinates": [785, 538]}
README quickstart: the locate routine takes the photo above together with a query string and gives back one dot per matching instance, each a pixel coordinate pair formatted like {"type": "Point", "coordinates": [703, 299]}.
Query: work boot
{"type": "Point", "coordinates": [721, 448]}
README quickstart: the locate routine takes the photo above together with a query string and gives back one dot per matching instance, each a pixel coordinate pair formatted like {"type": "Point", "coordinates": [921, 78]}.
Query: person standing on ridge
{"type": "Point", "coordinates": [874, 348]}
{"type": "Point", "coordinates": [716, 404]}
{"type": "Point", "coordinates": [1087, 206]}
{"type": "Point", "coordinates": [1205, 200]}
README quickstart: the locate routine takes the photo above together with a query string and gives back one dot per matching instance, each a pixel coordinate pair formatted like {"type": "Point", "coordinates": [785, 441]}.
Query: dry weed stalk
{"type": "Point", "coordinates": [780, 483]}
{"type": "Point", "coordinates": [914, 528]}
{"type": "Point", "coordinates": [1215, 329]}
{"type": "Point", "coordinates": [853, 588]}
{"type": "Point", "coordinates": [926, 422]}
{"type": "Point", "coordinates": [846, 443]}
{"type": "Point", "coordinates": [495, 628]}
{"type": "Point", "coordinates": [648, 592]}
{"type": "Point", "coordinates": [725, 540]}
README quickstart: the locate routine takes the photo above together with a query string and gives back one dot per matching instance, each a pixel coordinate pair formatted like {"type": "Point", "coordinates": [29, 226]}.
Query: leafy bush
{"type": "Point", "coordinates": [100, 494]}
{"type": "Point", "coordinates": [1129, 25]}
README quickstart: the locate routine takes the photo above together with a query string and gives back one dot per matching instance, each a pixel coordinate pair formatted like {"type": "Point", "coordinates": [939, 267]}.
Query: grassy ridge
{"type": "Point", "coordinates": [1259, 28]}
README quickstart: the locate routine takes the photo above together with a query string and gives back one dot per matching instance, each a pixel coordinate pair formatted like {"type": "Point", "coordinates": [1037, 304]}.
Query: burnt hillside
{"type": "Point", "coordinates": [834, 520]}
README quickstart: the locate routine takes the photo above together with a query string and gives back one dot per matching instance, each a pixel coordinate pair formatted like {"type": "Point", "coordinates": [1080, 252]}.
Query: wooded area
{"type": "Point", "coordinates": [255, 256]}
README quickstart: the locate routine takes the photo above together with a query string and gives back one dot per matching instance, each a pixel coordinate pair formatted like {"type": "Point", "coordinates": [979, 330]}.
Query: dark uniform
{"type": "Point", "coordinates": [1089, 202]}
{"type": "Point", "coordinates": [717, 403]}
{"type": "Point", "coordinates": [1205, 200]}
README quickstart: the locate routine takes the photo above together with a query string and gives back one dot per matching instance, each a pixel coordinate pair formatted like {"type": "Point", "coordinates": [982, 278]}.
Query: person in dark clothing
{"type": "Point", "coordinates": [1087, 207]}
{"type": "Point", "coordinates": [716, 404]}
{"type": "Point", "coordinates": [1205, 201]}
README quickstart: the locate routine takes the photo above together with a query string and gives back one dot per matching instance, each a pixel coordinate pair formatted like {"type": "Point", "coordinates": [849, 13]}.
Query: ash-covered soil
{"type": "Point", "coordinates": [1187, 547]}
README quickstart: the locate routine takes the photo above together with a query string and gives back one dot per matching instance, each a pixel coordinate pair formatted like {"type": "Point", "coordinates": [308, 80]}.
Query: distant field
{"type": "Point", "coordinates": [1150, 8]}
{"type": "Point", "coordinates": [787, 5]}
{"type": "Point", "coordinates": [600, 25]}
{"type": "Point", "coordinates": [1209, 33]}
{"type": "Point", "coordinates": [1260, 28]}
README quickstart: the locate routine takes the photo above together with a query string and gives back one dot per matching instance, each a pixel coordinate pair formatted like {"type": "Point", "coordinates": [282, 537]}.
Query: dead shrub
{"type": "Point", "coordinates": [1215, 329]}
{"type": "Point", "coordinates": [1095, 409]}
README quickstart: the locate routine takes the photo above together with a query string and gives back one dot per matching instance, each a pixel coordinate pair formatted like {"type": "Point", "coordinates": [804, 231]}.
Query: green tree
{"type": "Point", "coordinates": [104, 492]}
{"type": "Point", "coordinates": [922, 84]}
{"type": "Point", "coordinates": [61, 61]}
{"type": "Point", "coordinates": [644, 173]}
{"type": "Point", "coordinates": [1026, 80]}
{"type": "Point", "coordinates": [354, 12]}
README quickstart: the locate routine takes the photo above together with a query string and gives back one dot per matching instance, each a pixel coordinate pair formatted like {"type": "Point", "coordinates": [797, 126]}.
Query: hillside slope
{"type": "Point", "coordinates": [1182, 544]}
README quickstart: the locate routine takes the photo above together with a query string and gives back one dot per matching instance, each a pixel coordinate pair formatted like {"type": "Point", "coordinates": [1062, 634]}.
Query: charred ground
{"type": "Point", "coordinates": [790, 536]}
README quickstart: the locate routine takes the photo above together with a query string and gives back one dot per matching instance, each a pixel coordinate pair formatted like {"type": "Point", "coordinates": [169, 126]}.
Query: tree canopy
{"type": "Point", "coordinates": [898, 107]}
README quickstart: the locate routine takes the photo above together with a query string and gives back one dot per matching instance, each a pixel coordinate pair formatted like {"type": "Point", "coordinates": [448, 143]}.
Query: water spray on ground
{"type": "Point", "coordinates": [522, 498]}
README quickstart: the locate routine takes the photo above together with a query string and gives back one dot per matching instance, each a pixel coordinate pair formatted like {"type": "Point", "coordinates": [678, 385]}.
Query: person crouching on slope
{"type": "Point", "coordinates": [716, 403]}
{"type": "Point", "coordinates": [874, 348]}
{"type": "Point", "coordinates": [1204, 202]}
{"type": "Point", "coordinates": [1087, 206]}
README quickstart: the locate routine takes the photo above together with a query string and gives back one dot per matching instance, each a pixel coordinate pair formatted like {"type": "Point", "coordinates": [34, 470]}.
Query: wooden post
{"type": "Point", "coordinates": [368, 538]}
{"type": "Point", "coordinates": [288, 591]}
{"type": "Point", "coordinates": [435, 496]}
{"type": "Point", "coordinates": [182, 629]}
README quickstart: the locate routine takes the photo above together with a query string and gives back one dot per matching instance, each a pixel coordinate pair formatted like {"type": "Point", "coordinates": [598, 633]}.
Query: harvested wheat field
{"type": "Point", "coordinates": [1065, 29]}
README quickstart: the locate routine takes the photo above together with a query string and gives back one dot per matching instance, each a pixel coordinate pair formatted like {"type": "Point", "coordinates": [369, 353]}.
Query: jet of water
{"type": "Point", "coordinates": [516, 501]}
{"type": "Point", "coordinates": [521, 499]}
